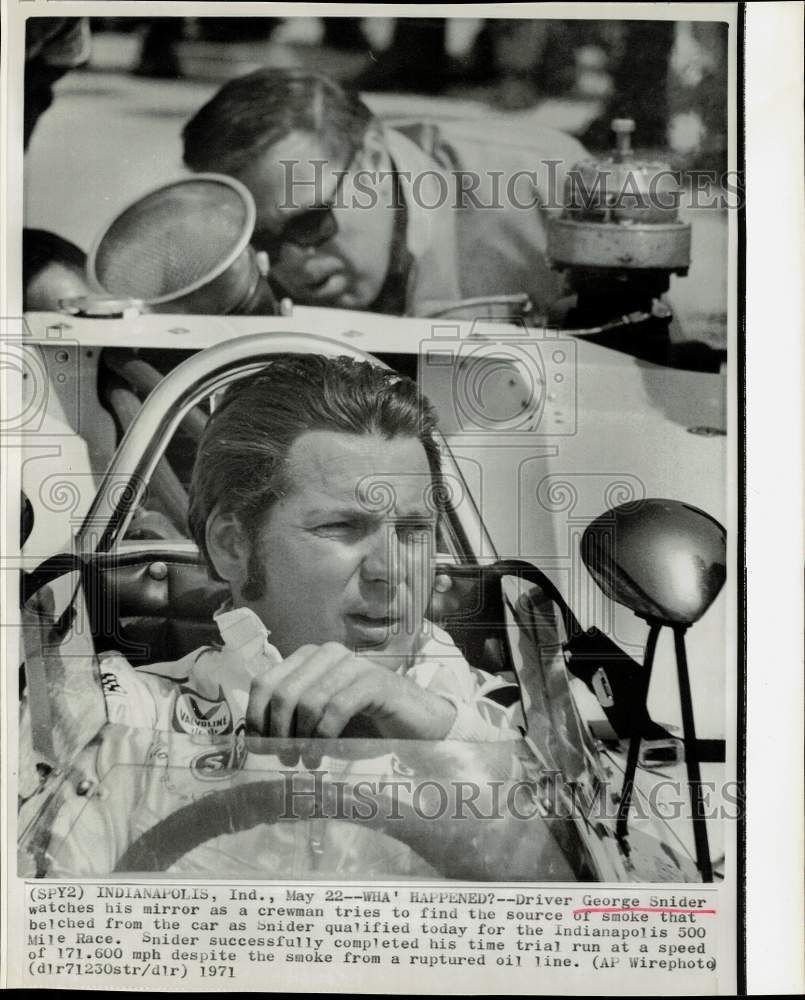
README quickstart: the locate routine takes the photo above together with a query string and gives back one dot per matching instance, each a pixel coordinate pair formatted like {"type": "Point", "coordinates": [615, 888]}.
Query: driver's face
{"type": "Point", "coordinates": [348, 266]}
{"type": "Point", "coordinates": [347, 555]}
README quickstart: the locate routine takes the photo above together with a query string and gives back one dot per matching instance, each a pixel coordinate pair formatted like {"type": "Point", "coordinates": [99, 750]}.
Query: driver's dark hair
{"type": "Point", "coordinates": [240, 465]}
{"type": "Point", "coordinates": [252, 113]}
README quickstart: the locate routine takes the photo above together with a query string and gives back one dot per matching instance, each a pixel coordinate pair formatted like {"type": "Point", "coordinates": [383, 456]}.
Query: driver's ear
{"type": "Point", "coordinates": [228, 547]}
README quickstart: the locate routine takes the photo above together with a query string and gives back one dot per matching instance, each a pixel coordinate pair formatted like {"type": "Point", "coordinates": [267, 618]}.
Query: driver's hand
{"type": "Point", "coordinates": [318, 689]}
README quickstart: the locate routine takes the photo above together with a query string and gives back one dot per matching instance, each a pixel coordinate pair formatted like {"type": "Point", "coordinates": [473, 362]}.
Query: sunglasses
{"type": "Point", "coordinates": [311, 228]}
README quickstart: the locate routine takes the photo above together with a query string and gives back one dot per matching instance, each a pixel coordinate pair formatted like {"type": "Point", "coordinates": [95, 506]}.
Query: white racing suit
{"type": "Point", "coordinates": [184, 738]}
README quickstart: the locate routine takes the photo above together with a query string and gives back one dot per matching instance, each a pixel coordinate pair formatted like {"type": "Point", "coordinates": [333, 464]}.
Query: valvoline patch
{"type": "Point", "coordinates": [195, 714]}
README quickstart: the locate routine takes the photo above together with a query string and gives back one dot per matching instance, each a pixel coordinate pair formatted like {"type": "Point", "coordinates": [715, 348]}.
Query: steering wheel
{"type": "Point", "coordinates": [450, 846]}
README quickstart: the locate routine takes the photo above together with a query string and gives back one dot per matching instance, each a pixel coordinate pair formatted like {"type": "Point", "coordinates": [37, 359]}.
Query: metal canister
{"type": "Point", "coordinates": [621, 212]}
{"type": "Point", "coordinates": [184, 248]}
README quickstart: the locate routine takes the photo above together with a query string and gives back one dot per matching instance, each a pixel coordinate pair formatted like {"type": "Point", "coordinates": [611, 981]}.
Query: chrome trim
{"type": "Point", "coordinates": [242, 244]}
{"type": "Point", "coordinates": [185, 387]}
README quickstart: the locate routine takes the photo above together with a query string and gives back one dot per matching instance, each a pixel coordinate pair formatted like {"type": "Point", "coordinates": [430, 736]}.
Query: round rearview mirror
{"type": "Point", "coordinates": [665, 560]}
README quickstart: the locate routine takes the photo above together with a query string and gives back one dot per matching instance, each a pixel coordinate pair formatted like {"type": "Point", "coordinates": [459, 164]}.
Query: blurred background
{"type": "Point", "coordinates": [671, 77]}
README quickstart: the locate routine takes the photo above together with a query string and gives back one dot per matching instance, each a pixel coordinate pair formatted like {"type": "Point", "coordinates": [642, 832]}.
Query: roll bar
{"type": "Point", "coordinates": [191, 382]}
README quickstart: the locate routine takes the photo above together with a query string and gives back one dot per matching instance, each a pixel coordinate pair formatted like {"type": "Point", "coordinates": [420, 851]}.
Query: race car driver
{"type": "Point", "coordinates": [310, 498]}
{"type": "Point", "coordinates": [359, 215]}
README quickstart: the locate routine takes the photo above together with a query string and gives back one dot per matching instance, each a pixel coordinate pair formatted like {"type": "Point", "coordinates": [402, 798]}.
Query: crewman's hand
{"type": "Point", "coordinates": [318, 689]}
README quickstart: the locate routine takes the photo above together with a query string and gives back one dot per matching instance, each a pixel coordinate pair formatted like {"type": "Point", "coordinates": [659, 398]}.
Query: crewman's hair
{"type": "Point", "coordinates": [254, 112]}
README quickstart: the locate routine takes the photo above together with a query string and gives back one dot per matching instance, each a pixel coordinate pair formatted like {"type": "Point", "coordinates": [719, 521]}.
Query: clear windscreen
{"type": "Point", "coordinates": [232, 807]}
{"type": "Point", "coordinates": [63, 706]}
